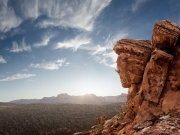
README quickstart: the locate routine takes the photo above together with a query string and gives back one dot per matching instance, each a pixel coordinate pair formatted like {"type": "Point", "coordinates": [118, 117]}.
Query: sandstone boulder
{"type": "Point", "coordinates": [132, 59]}
{"type": "Point", "coordinates": [155, 75]}
{"type": "Point", "coordinates": [152, 74]}
{"type": "Point", "coordinates": [151, 71]}
{"type": "Point", "coordinates": [165, 35]}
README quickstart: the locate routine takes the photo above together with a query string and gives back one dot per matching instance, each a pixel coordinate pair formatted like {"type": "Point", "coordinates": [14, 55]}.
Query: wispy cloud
{"type": "Point", "coordinates": [67, 64]}
{"type": "Point", "coordinates": [98, 50]}
{"type": "Point", "coordinates": [112, 39]}
{"type": "Point", "coordinates": [107, 58]}
{"type": "Point", "coordinates": [49, 65]}
{"type": "Point", "coordinates": [17, 77]}
{"type": "Point", "coordinates": [8, 17]}
{"type": "Point", "coordinates": [29, 8]}
{"type": "Point", "coordinates": [25, 70]}
{"type": "Point", "coordinates": [74, 44]}
{"type": "Point", "coordinates": [2, 60]}
{"type": "Point", "coordinates": [45, 40]}
{"type": "Point", "coordinates": [74, 14]}
{"type": "Point", "coordinates": [21, 47]}
{"type": "Point", "coordinates": [138, 4]}
{"type": "Point", "coordinates": [105, 54]}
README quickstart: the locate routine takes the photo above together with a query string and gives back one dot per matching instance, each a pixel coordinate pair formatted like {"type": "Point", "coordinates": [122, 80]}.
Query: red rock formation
{"type": "Point", "coordinates": [152, 74]}
{"type": "Point", "coordinates": [155, 75]}
{"type": "Point", "coordinates": [165, 35]}
{"type": "Point", "coordinates": [153, 87]}
{"type": "Point", "coordinates": [157, 93]}
{"type": "Point", "coordinates": [132, 59]}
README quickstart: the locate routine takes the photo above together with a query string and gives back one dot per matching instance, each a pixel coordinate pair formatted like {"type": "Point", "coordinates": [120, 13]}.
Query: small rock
{"type": "Point", "coordinates": [143, 124]}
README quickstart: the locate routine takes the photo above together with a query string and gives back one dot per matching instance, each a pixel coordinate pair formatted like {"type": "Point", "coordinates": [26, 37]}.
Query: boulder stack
{"type": "Point", "coordinates": [151, 71]}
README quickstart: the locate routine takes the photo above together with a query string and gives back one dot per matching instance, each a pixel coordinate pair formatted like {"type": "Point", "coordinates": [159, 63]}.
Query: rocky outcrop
{"type": "Point", "coordinates": [151, 71]}
{"type": "Point", "coordinates": [149, 97]}
{"type": "Point", "coordinates": [164, 125]}
{"type": "Point", "coordinates": [132, 59]}
{"type": "Point", "coordinates": [101, 119]}
{"type": "Point", "coordinates": [165, 35]}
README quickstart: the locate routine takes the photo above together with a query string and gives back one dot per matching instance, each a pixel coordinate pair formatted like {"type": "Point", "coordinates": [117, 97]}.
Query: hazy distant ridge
{"type": "Point", "coordinates": [83, 99]}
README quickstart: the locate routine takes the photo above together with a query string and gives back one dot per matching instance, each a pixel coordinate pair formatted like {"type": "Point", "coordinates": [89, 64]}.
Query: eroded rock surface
{"type": "Point", "coordinates": [165, 35]}
{"type": "Point", "coordinates": [155, 75]}
{"type": "Point", "coordinates": [158, 90]}
{"type": "Point", "coordinates": [132, 59]}
{"type": "Point", "coordinates": [151, 71]}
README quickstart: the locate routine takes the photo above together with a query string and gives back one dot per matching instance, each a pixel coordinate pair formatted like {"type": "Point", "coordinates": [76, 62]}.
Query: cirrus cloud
{"type": "Point", "coordinates": [74, 43]}
{"type": "Point", "coordinates": [105, 54]}
{"type": "Point", "coordinates": [49, 65]}
{"type": "Point", "coordinates": [75, 14]}
{"type": "Point", "coordinates": [2, 60]}
{"type": "Point", "coordinates": [137, 4]}
{"type": "Point", "coordinates": [45, 40]}
{"type": "Point", "coordinates": [17, 76]}
{"type": "Point", "coordinates": [8, 18]}
{"type": "Point", "coordinates": [21, 47]}
{"type": "Point", "coordinates": [79, 14]}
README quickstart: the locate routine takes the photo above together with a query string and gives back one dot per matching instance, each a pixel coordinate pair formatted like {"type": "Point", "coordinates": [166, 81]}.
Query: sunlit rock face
{"type": "Point", "coordinates": [165, 35]}
{"type": "Point", "coordinates": [151, 71]}
{"type": "Point", "coordinates": [132, 58]}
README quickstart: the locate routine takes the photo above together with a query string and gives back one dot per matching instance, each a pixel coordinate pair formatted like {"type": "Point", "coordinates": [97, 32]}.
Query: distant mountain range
{"type": "Point", "coordinates": [83, 99]}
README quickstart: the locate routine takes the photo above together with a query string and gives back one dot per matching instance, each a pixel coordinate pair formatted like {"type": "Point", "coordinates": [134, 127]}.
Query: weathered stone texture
{"type": "Point", "coordinates": [155, 75]}
{"type": "Point", "coordinates": [165, 35]}
{"type": "Point", "coordinates": [132, 59]}
{"type": "Point", "coordinates": [151, 71]}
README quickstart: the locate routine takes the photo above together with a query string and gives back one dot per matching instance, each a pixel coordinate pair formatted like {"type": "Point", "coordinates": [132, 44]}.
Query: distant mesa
{"type": "Point", "coordinates": [84, 99]}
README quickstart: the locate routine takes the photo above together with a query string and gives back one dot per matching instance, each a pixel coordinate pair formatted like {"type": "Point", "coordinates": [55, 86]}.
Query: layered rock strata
{"type": "Point", "coordinates": [132, 58]}
{"type": "Point", "coordinates": [165, 35]}
{"type": "Point", "coordinates": [151, 71]}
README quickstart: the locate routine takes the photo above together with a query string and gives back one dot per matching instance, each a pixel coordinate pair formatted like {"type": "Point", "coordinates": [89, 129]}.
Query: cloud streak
{"type": "Point", "coordinates": [138, 4]}
{"type": "Point", "coordinates": [21, 47]}
{"type": "Point", "coordinates": [8, 17]}
{"type": "Point", "coordinates": [74, 14]}
{"type": "Point", "coordinates": [98, 50]}
{"type": "Point", "coordinates": [49, 65]}
{"type": "Point", "coordinates": [2, 60]}
{"type": "Point", "coordinates": [17, 77]}
{"type": "Point", "coordinates": [105, 54]}
{"type": "Point", "coordinates": [73, 44]}
{"type": "Point", "coordinates": [45, 40]}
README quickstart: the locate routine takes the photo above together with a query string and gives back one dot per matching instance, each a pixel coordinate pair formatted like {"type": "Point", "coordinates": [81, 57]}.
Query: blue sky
{"type": "Point", "coordinates": [48, 47]}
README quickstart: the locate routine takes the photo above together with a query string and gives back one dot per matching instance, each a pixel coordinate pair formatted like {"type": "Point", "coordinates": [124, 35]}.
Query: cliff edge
{"type": "Point", "coordinates": [151, 71]}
